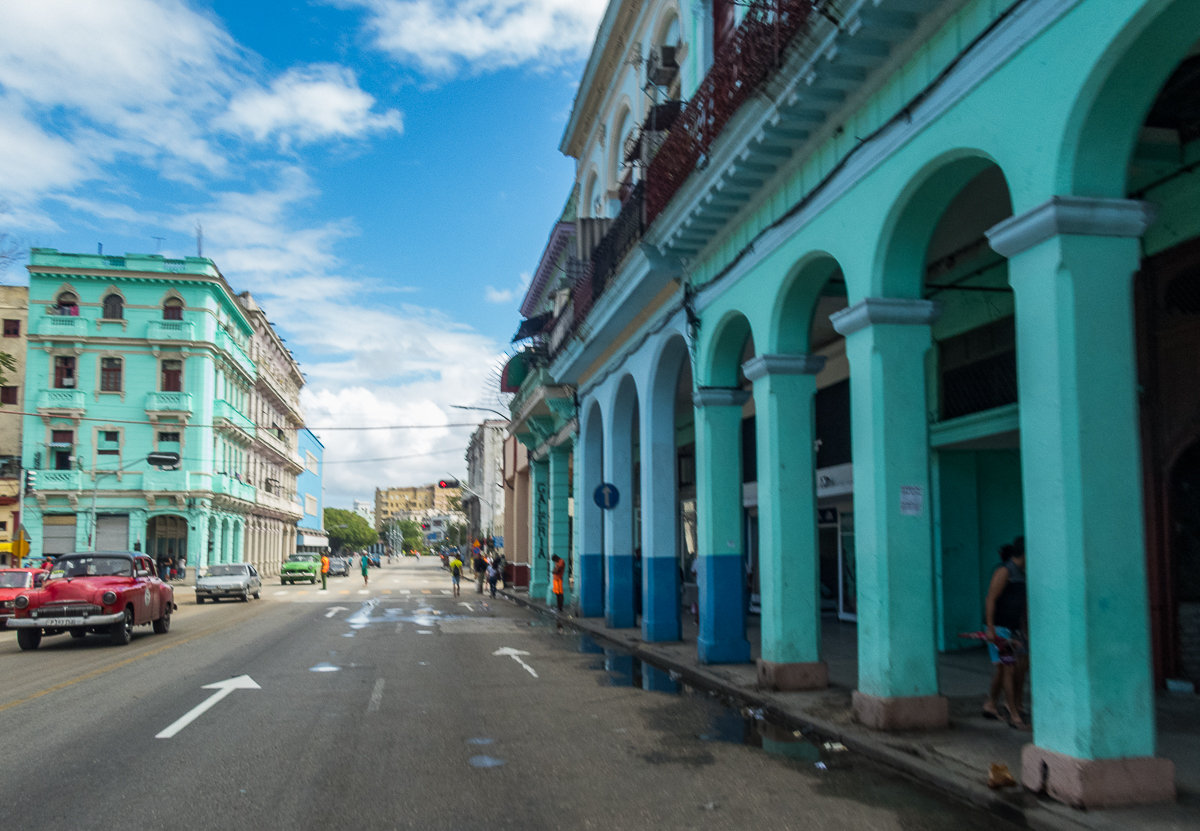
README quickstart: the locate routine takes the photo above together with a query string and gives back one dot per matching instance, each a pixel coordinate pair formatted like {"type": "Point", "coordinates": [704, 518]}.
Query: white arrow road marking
{"type": "Point", "coordinates": [516, 654]}
{"type": "Point", "coordinates": [376, 696]}
{"type": "Point", "coordinates": [333, 610]}
{"type": "Point", "coordinates": [223, 688]}
{"type": "Point", "coordinates": [468, 605]}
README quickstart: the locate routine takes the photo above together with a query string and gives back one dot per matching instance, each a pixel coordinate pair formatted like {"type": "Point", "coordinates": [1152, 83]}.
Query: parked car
{"type": "Point", "coordinates": [373, 559]}
{"type": "Point", "coordinates": [12, 582]}
{"type": "Point", "coordinates": [300, 567]}
{"type": "Point", "coordinates": [239, 580]}
{"type": "Point", "coordinates": [339, 566]}
{"type": "Point", "coordinates": [102, 592]}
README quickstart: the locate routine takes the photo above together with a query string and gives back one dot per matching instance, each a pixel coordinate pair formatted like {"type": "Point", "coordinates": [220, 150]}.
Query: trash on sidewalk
{"type": "Point", "coordinates": [1000, 777]}
{"type": "Point", "coordinates": [835, 747]}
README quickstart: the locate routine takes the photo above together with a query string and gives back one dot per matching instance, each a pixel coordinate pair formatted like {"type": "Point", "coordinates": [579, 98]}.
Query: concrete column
{"type": "Point", "coordinates": [539, 527]}
{"type": "Point", "coordinates": [214, 556]}
{"type": "Point", "coordinates": [227, 539]}
{"type": "Point", "coordinates": [788, 556]}
{"type": "Point", "coordinates": [720, 571]}
{"type": "Point", "coordinates": [886, 342]}
{"type": "Point", "coordinates": [197, 540]}
{"type": "Point", "coordinates": [618, 533]}
{"type": "Point", "coordinates": [1071, 262]}
{"type": "Point", "coordinates": [239, 541]}
{"type": "Point", "coordinates": [660, 563]}
{"type": "Point", "coordinates": [559, 489]}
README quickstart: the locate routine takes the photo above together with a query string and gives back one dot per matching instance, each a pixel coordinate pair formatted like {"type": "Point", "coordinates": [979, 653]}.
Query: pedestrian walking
{"type": "Point", "coordinates": [480, 566]}
{"type": "Point", "coordinates": [502, 567]}
{"type": "Point", "coordinates": [1006, 639]}
{"type": "Point", "coordinates": [560, 567]}
{"type": "Point", "coordinates": [456, 567]}
{"type": "Point", "coordinates": [492, 576]}
{"type": "Point", "coordinates": [324, 572]}
{"type": "Point", "coordinates": [366, 564]}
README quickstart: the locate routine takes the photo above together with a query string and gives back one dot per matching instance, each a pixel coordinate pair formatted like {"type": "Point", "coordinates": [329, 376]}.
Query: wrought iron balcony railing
{"type": "Point", "coordinates": [739, 68]}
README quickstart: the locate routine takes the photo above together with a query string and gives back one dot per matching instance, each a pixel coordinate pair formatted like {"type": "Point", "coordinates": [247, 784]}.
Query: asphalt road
{"type": "Point", "coordinates": [395, 711]}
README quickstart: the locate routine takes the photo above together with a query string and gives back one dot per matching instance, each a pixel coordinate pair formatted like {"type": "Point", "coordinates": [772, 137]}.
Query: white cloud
{"type": "Point", "coordinates": [309, 104]}
{"type": "Point", "coordinates": [495, 295]}
{"type": "Point", "coordinates": [442, 36]}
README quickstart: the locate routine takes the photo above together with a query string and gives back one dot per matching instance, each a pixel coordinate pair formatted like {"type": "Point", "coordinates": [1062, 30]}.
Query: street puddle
{"type": "Point", "coordinates": [485, 762]}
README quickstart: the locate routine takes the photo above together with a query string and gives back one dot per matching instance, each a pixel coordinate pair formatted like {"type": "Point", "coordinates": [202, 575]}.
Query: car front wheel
{"type": "Point", "coordinates": [199, 600]}
{"type": "Point", "coordinates": [29, 638]}
{"type": "Point", "coordinates": [121, 632]}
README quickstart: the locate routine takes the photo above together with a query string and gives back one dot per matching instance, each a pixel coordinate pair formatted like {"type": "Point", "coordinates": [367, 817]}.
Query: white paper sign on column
{"type": "Point", "coordinates": [912, 500]}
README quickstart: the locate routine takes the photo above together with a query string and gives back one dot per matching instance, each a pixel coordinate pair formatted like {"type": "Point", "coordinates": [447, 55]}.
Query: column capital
{"type": "Point", "coordinates": [720, 397]}
{"type": "Point", "coordinates": [872, 311]}
{"type": "Point", "coordinates": [1072, 215]}
{"type": "Point", "coordinates": [764, 365]}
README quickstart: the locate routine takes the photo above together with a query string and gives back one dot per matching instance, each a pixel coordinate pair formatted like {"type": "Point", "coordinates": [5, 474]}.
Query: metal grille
{"type": "Point", "coordinates": [65, 610]}
{"type": "Point", "coordinates": [740, 66]}
{"type": "Point", "coordinates": [621, 236]}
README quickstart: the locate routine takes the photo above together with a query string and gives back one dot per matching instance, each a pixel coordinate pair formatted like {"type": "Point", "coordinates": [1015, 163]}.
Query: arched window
{"type": "Point", "coordinates": [173, 309]}
{"type": "Point", "coordinates": [114, 307]}
{"type": "Point", "coordinates": [68, 304]}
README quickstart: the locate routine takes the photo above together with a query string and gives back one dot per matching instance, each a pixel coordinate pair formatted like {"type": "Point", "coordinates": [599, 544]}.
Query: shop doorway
{"type": "Point", "coordinates": [166, 538]}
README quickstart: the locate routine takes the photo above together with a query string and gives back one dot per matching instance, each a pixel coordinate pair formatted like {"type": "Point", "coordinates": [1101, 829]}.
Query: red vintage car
{"type": "Point", "coordinates": [103, 592]}
{"type": "Point", "coordinates": [12, 582]}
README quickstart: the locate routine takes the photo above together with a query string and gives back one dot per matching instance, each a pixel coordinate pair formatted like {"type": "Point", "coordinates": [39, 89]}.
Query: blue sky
{"type": "Point", "coordinates": [382, 174]}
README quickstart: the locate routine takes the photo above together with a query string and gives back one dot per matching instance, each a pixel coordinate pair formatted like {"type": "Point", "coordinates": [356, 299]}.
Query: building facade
{"type": "Point", "coordinates": [814, 243]}
{"type": "Point", "coordinates": [274, 459]}
{"type": "Point", "coordinates": [14, 311]}
{"type": "Point", "coordinates": [419, 503]}
{"type": "Point", "coordinates": [310, 495]}
{"type": "Point", "coordinates": [132, 355]}
{"type": "Point", "coordinates": [365, 510]}
{"type": "Point", "coordinates": [483, 496]}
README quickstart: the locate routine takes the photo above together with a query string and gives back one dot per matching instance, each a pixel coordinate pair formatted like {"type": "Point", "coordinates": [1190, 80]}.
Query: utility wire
{"type": "Point", "coordinates": [166, 424]}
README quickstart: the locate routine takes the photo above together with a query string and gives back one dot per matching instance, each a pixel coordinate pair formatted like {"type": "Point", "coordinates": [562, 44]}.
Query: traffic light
{"type": "Point", "coordinates": [424, 526]}
{"type": "Point", "coordinates": [30, 481]}
{"type": "Point", "coordinates": [447, 483]}
{"type": "Point", "coordinates": [163, 460]}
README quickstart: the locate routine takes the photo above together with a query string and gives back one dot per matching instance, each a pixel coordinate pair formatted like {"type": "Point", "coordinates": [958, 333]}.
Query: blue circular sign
{"type": "Point", "coordinates": [607, 496]}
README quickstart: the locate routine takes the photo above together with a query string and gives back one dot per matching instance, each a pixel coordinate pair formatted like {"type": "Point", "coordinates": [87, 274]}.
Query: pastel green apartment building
{"type": "Point", "coordinates": [128, 356]}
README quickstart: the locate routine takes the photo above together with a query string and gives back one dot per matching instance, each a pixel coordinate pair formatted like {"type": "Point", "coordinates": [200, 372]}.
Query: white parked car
{"type": "Point", "coordinates": [238, 580]}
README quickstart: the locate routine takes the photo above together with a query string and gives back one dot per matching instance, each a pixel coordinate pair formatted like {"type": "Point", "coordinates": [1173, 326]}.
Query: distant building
{"type": "Point", "coordinates": [311, 536]}
{"type": "Point", "coordinates": [483, 497]}
{"type": "Point", "coordinates": [14, 309]}
{"type": "Point", "coordinates": [363, 508]}
{"type": "Point", "coordinates": [419, 503]}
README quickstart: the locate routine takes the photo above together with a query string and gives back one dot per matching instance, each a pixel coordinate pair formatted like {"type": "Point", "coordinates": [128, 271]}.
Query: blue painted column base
{"type": "Point", "coordinates": [591, 585]}
{"type": "Point", "coordinates": [722, 617]}
{"type": "Point", "coordinates": [618, 607]}
{"type": "Point", "coordinates": [660, 601]}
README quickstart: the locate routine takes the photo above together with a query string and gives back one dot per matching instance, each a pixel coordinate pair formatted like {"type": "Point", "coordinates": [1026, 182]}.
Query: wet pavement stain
{"type": "Point", "coordinates": [485, 762]}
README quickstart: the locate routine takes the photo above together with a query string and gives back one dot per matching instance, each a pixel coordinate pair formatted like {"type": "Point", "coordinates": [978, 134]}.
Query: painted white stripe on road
{"type": "Point", "coordinates": [223, 688]}
{"type": "Point", "coordinates": [333, 610]}
{"type": "Point", "coordinates": [447, 592]}
{"type": "Point", "coordinates": [515, 655]}
{"type": "Point", "coordinates": [376, 696]}
{"type": "Point", "coordinates": [280, 594]}
{"type": "Point", "coordinates": [399, 628]}
{"type": "Point", "coordinates": [405, 591]}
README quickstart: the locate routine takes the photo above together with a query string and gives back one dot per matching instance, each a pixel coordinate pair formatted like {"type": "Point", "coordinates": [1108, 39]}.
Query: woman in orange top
{"type": "Point", "coordinates": [560, 565]}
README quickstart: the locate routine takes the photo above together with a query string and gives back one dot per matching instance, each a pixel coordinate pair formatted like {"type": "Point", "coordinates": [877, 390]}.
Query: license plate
{"type": "Point", "coordinates": [60, 621]}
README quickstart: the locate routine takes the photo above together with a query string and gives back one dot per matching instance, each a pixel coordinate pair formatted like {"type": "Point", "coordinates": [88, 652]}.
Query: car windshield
{"type": "Point", "coordinates": [302, 558]}
{"type": "Point", "coordinates": [14, 579]}
{"type": "Point", "coordinates": [225, 571]}
{"type": "Point", "coordinates": [92, 567]}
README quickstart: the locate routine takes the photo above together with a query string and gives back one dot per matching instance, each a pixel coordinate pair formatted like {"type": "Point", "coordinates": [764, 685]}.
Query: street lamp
{"type": "Point", "coordinates": [504, 416]}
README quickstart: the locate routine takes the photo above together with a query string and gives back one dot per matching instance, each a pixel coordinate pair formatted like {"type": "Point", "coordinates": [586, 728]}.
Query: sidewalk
{"type": "Point", "coordinates": [955, 760]}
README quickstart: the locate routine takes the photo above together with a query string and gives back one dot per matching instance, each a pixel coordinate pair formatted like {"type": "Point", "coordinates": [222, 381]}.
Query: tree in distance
{"type": "Point", "coordinates": [347, 530]}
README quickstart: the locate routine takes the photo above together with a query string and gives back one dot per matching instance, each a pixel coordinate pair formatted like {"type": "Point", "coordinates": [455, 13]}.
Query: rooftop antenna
{"type": "Point", "coordinates": [199, 240]}
{"type": "Point", "coordinates": [158, 248]}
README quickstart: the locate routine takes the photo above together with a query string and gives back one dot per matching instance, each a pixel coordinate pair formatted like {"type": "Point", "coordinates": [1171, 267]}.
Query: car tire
{"type": "Point", "coordinates": [256, 595]}
{"type": "Point", "coordinates": [282, 582]}
{"type": "Point", "coordinates": [163, 625]}
{"type": "Point", "coordinates": [199, 600]}
{"type": "Point", "coordinates": [121, 632]}
{"type": "Point", "coordinates": [246, 597]}
{"type": "Point", "coordinates": [78, 634]}
{"type": "Point", "coordinates": [29, 639]}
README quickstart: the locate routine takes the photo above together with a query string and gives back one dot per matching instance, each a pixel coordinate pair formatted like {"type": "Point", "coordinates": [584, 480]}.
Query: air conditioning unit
{"type": "Point", "coordinates": [662, 66]}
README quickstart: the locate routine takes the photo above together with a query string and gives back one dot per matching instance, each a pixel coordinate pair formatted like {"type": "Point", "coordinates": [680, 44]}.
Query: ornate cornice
{"type": "Point", "coordinates": [1072, 215]}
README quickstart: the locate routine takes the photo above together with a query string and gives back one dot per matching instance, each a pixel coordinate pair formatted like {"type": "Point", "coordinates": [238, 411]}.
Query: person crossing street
{"type": "Point", "coordinates": [324, 571]}
{"type": "Point", "coordinates": [366, 564]}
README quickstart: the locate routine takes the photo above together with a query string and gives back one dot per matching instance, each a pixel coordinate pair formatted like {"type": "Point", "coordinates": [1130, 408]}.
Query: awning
{"type": "Point", "coordinates": [312, 540]}
{"type": "Point", "coordinates": [532, 326]}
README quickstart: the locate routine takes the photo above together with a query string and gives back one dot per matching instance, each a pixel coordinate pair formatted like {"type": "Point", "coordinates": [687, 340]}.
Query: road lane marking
{"type": "Point", "coordinates": [405, 591]}
{"type": "Point", "coordinates": [376, 696]}
{"type": "Point", "coordinates": [470, 608]}
{"type": "Point", "coordinates": [223, 688]}
{"type": "Point", "coordinates": [424, 631]}
{"type": "Point", "coordinates": [516, 654]}
{"type": "Point", "coordinates": [102, 670]}
{"type": "Point", "coordinates": [387, 591]}
{"type": "Point", "coordinates": [399, 628]}
{"type": "Point", "coordinates": [447, 592]}
{"type": "Point", "coordinates": [426, 591]}
{"type": "Point", "coordinates": [344, 591]}
{"type": "Point", "coordinates": [333, 610]}
{"type": "Point", "coordinates": [280, 594]}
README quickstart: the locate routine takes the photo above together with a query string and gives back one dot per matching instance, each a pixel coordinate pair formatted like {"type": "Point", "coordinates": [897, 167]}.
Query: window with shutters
{"type": "Point", "coordinates": [173, 309]}
{"type": "Point", "coordinates": [64, 372]}
{"type": "Point", "coordinates": [8, 395]}
{"type": "Point", "coordinates": [110, 374]}
{"type": "Point", "coordinates": [12, 328]}
{"type": "Point", "coordinates": [62, 448]}
{"type": "Point", "coordinates": [114, 307]}
{"type": "Point", "coordinates": [108, 443]}
{"type": "Point", "coordinates": [172, 376]}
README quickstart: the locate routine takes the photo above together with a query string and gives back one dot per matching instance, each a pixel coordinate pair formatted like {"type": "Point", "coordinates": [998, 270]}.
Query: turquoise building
{"type": "Point", "coordinates": [310, 495]}
{"type": "Point", "coordinates": [128, 356]}
{"type": "Point", "coordinates": [866, 289]}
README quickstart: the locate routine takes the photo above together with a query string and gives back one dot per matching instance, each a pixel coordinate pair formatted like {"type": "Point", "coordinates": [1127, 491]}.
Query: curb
{"type": "Point", "coordinates": [1045, 816]}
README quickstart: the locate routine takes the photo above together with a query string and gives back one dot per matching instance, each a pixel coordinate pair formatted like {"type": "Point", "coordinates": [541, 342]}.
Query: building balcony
{"type": "Point", "coordinates": [62, 326]}
{"type": "Point", "coordinates": [281, 448]}
{"type": "Point", "coordinates": [59, 480]}
{"type": "Point", "coordinates": [61, 400]}
{"type": "Point", "coordinates": [170, 330]}
{"type": "Point", "coordinates": [280, 389]}
{"type": "Point", "coordinates": [164, 480]}
{"type": "Point", "coordinates": [277, 502]}
{"type": "Point", "coordinates": [169, 402]}
{"type": "Point", "coordinates": [228, 486]}
{"type": "Point", "coordinates": [227, 417]}
{"type": "Point", "coordinates": [235, 351]}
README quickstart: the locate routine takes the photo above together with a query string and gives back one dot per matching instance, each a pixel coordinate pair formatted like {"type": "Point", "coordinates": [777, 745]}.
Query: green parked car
{"type": "Point", "coordinates": [300, 567]}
